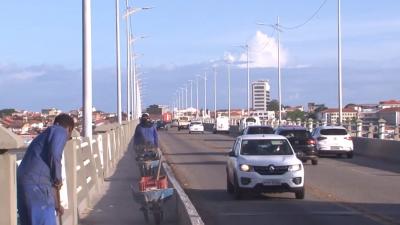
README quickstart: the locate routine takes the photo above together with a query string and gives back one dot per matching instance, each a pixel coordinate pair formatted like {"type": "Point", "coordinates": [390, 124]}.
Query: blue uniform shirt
{"type": "Point", "coordinates": [42, 161]}
{"type": "Point", "coordinates": [144, 134]}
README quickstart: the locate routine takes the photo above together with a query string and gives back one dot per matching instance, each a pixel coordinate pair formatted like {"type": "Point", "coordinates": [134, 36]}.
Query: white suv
{"type": "Point", "coordinates": [264, 163]}
{"type": "Point", "coordinates": [333, 140]}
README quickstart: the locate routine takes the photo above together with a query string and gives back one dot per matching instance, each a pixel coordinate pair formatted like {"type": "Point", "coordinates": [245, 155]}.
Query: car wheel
{"type": "Point", "coordinates": [350, 155]}
{"type": "Point", "coordinates": [229, 185]}
{"type": "Point", "coordinates": [300, 194]}
{"type": "Point", "coordinates": [237, 191]}
{"type": "Point", "coordinates": [179, 128]}
{"type": "Point", "coordinates": [214, 131]}
{"type": "Point", "coordinates": [190, 132]}
{"type": "Point", "coordinates": [338, 155]}
{"type": "Point", "coordinates": [314, 161]}
{"type": "Point", "coordinates": [202, 132]}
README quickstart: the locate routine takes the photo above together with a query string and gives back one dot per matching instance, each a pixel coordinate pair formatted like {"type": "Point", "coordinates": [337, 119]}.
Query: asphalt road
{"type": "Point", "coordinates": [338, 191]}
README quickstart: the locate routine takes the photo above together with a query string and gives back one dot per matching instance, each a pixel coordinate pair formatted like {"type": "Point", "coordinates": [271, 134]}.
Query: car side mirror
{"type": "Point", "coordinates": [232, 154]}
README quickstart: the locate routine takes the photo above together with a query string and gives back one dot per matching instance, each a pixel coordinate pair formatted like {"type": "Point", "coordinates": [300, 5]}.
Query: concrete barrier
{"type": "Point", "coordinates": [388, 150]}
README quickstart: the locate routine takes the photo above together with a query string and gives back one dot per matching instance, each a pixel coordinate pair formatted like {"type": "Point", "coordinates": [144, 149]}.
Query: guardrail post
{"type": "Point", "coordinates": [70, 165]}
{"type": "Point", "coordinates": [298, 122]}
{"type": "Point", "coordinates": [396, 133]}
{"type": "Point", "coordinates": [8, 176]}
{"type": "Point", "coordinates": [371, 131]}
{"type": "Point", "coordinates": [359, 128]}
{"type": "Point", "coordinates": [381, 128]}
{"type": "Point", "coordinates": [310, 124]}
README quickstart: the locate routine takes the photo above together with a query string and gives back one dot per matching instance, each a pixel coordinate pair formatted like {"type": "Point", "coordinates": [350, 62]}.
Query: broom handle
{"type": "Point", "coordinates": [159, 167]}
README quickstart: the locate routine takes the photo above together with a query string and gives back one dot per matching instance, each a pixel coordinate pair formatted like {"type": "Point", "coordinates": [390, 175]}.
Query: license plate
{"type": "Point", "coordinates": [272, 182]}
{"type": "Point", "coordinates": [335, 147]}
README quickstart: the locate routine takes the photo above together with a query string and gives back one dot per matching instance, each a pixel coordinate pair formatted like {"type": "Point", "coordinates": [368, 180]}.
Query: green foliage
{"type": "Point", "coordinates": [295, 114]}
{"type": "Point", "coordinates": [273, 105]}
{"type": "Point", "coordinates": [6, 112]}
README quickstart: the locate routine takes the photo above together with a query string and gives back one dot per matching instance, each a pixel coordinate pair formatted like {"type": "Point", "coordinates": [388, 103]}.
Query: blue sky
{"type": "Point", "coordinates": [41, 44]}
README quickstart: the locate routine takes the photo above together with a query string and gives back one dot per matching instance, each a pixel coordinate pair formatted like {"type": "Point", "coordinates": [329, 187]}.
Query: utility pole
{"type": "Point", "coordinates": [186, 96]}
{"type": "Point", "coordinates": [118, 48]}
{"type": "Point", "coordinates": [87, 68]}
{"type": "Point", "coordinates": [340, 90]}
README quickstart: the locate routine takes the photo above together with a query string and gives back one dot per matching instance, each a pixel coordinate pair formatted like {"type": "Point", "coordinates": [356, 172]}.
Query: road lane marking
{"type": "Point", "coordinates": [316, 213]}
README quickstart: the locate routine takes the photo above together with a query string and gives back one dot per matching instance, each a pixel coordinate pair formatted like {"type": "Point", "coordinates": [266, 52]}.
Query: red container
{"type": "Point", "coordinates": [148, 183]}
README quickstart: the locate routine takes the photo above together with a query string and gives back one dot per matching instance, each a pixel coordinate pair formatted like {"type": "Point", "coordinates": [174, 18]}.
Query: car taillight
{"type": "Point", "coordinates": [348, 138]}
{"type": "Point", "coordinates": [311, 142]}
{"type": "Point", "coordinates": [321, 138]}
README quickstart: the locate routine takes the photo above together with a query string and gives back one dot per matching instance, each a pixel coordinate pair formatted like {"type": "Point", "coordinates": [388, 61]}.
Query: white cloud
{"type": "Point", "coordinates": [263, 52]}
{"type": "Point", "coordinates": [26, 75]}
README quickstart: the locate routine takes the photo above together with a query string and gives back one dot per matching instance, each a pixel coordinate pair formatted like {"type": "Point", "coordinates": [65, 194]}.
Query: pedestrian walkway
{"type": "Point", "coordinates": [114, 205]}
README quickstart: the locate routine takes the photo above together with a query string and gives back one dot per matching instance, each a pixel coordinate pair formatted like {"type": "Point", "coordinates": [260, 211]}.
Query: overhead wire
{"type": "Point", "coordinates": [306, 21]}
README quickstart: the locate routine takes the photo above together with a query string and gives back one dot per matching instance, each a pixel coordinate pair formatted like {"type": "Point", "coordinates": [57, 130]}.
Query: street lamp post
{"type": "Point", "coordinates": [128, 64]}
{"type": "Point", "coordinates": [118, 49]}
{"type": "Point", "coordinates": [229, 91]}
{"type": "Point", "coordinates": [340, 90]}
{"type": "Point", "coordinates": [87, 68]}
{"type": "Point", "coordinates": [205, 94]}
{"type": "Point", "coordinates": [279, 74]}
{"type": "Point", "coordinates": [186, 96]}
{"type": "Point", "coordinates": [248, 82]}
{"type": "Point", "coordinates": [191, 93]}
{"type": "Point", "coordinates": [197, 96]}
{"type": "Point", "coordinates": [215, 92]}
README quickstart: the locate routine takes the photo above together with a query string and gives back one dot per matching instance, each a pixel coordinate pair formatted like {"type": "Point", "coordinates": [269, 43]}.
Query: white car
{"type": "Point", "coordinates": [264, 163]}
{"type": "Point", "coordinates": [333, 140]}
{"type": "Point", "coordinates": [196, 126]}
{"type": "Point", "coordinates": [221, 125]}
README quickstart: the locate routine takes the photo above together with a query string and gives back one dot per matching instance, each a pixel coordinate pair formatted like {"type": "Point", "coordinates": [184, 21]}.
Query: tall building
{"type": "Point", "coordinates": [260, 95]}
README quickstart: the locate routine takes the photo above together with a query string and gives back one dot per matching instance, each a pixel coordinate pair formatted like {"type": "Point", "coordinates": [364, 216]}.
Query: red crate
{"type": "Point", "coordinates": [147, 183]}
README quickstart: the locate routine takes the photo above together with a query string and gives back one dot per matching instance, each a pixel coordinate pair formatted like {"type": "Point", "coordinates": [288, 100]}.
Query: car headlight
{"type": "Point", "coordinates": [245, 168]}
{"type": "Point", "coordinates": [296, 167]}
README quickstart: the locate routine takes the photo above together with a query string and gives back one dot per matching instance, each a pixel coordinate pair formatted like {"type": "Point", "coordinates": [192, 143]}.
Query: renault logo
{"type": "Point", "coordinates": [271, 168]}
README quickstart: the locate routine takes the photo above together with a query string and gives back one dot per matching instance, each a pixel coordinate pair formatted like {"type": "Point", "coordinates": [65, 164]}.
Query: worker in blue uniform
{"type": "Point", "coordinates": [145, 132]}
{"type": "Point", "coordinates": [39, 174]}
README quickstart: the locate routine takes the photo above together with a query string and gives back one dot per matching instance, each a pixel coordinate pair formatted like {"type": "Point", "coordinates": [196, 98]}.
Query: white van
{"type": "Point", "coordinates": [248, 121]}
{"type": "Point", "coordinates": [221, 125]}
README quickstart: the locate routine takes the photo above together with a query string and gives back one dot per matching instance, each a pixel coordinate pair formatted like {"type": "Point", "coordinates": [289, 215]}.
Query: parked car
{"type": "Point", "coordinates": [174, 123]}
{"type": "Point", "coordinates": [221, 125]}
{"type": "Point", "coordinates": [258, 130]}
{"type": "Point", "coordinates": [264, 163]}
{"type": "Point", "coordinates": [333, 140]}
{"type": "Point", "coordinates": [196, 127]}
{"type": "Point", "coordinates": [302, 142]}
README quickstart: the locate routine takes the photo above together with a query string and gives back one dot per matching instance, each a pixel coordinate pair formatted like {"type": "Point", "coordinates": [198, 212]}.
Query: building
{"type": "Point", "coordinates": [389, 104]}
{"type": "Point", "coordinates": [312, 106]}
{"type": "Point", "coordinates": [332, 115]}
{"type": "Point", "coordinates": [260, 95]}
{"type": "Point", "coordinates": [51, 112]}
{"type": "Point", "coordinates": [391, 115]}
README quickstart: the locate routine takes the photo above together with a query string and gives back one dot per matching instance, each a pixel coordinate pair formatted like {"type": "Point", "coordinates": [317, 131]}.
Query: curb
{"type": "Point", "coordinates": [191, 211]}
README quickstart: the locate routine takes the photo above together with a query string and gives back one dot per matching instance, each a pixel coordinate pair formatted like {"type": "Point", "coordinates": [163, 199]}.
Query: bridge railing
{"type": "Point", "coordinates": [86, 162]}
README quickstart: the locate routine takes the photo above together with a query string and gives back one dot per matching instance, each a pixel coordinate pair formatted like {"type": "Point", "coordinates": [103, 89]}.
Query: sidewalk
{"type": "Point", "coordinates": [115, 204]}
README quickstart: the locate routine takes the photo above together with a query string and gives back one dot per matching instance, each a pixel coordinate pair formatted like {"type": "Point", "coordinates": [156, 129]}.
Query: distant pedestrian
{"type": "Point", "coordinates": [145, 133]}
{"type": "Point", "coordinates": [39, 174]}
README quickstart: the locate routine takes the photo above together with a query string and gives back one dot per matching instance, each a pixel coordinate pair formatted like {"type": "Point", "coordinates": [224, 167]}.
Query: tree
{"type": "Point", "coordinates": [313, 115]}
{"type": "Point", "coordinates": [295, 114]}
{"type": "Point", "coordinates": [273, 105]}
{"type": "Point", "coordinates": [6, 112]}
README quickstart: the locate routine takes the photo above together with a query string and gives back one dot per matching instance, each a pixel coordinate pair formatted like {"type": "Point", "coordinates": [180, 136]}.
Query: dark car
{"type": "Point", "coordinates": [161, 125]}
{"type": "Point", "coordinates": [258, 130]}
{"type": "Point", "coordinates": [302, 142]}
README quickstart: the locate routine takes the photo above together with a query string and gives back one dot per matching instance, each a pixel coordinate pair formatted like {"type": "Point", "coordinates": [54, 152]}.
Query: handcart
{"type": "Point", "coordinates": [148, 159]}
{"type": "Point", "coordinates": [153, 190]}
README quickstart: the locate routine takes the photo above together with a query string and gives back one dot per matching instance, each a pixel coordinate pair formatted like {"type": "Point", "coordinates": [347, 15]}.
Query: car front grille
{"type": "Point", "coordinates": [267, 170]}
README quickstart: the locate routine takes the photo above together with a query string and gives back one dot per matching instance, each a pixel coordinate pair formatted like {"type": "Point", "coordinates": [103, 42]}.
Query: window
{"type": "Point", "coordinates": [265, 147]}
{"type": "Point", "coordinates": [260, 130]}
{"type": "Point", "coordinates": [333, 132]}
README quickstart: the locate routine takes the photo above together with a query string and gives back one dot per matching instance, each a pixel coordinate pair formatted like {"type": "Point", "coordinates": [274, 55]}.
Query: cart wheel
{"type": "Point", "coordinates": [145, 214]}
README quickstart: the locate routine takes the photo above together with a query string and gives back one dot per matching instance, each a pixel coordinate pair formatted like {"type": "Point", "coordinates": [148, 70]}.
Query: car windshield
{"type": "Point", "coordinates": [195, 123]}
{"type": "Point", "coordinates": [260, 130]}
{"type": "Point", "coordinates": [296, 134]}
{"type": "Point", "coordinates": [333, 132]}
{"type": "Point", "coordinates": [265, 147]}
